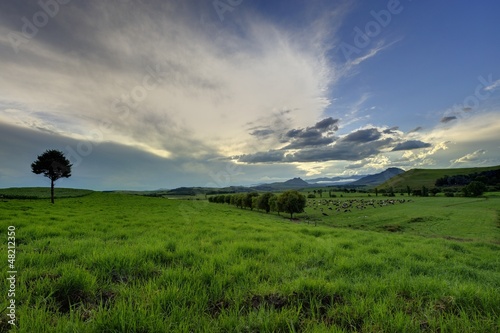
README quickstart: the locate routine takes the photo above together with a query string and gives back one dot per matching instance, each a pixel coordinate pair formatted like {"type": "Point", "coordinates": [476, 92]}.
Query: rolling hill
{"type": "Point", "coordinates": [377, 179]}
{"type": "Point", "coordinates": [416, 178]}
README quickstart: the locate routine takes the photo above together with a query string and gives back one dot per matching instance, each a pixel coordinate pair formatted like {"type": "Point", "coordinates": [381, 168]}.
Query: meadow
{"type": "Point", "coordinates": [113, 262]}
{"type": "Point", "coordinates": [416, 178]}
{"type": "Point", "coordinates": [40, 193]}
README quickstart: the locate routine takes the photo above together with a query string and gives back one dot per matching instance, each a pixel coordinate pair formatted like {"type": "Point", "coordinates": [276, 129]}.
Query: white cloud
{"type": "Point", "coordinates": [212, 81]}
{"type": "Point", "coordinates": [495, 85]}
{"type": "Point", "coordinates": [381, 46]}
{"type": "Point", "coordinates": [451, 141]}
{"type": "Point", "coordinates": [472, 157]}
{"type": "Point", "coordinates": [480, 127]}
{"type": "Point", "coordinates": [378, 163]}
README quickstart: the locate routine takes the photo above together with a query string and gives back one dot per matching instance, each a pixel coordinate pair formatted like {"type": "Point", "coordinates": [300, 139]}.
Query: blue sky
{"type": "Point", "coordinates": [160, 94]}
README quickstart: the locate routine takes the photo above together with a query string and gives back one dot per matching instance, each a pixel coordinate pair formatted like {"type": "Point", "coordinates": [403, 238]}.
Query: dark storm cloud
{"type": "Point", "coordinates": [313, 145]}
{"type": "Point", "coordinates": [365, 135]}
{"type": "Point", "coordinates": [327, 124]}
{"type": "Point", "coordinates": [323, 126]}
{"type": "Point", "coordinates": [334, 153]}
{"type": "Point", "coordinates": [263, 157]}
{"type": "Point", "coordinates": [412, 144]}
{"type": "Point", "coordinates": [448, 119]}
{"type": "Point", "coordinates": [391, 130]}
{"type": "Point", "coordinates": [294, 133]}
{"type": "Point", "coordinates": [310, 142]}
{"type": "Point", "coordinates": [341, 150]}
{"type": "Point", "coordinates": [262, 133]}
{"type": "Point", "coordinates": [318, 135]}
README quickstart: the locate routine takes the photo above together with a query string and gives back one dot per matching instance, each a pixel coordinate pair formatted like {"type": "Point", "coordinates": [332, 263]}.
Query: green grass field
{"type": "Point", "coordinates": [463, 219]}
{"type": "Point", "coordinates": [416, 178]}
{"type": "Point", "coordinates": [111, 262]}
{"type": "Point", "coordinates": [41, 193]}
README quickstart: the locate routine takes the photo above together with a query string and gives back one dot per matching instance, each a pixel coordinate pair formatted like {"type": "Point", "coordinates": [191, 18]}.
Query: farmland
{"type": "Point", "coordinates": [40, 193]}
{"type": "Point", "coordinates": [113, 262]}
{"type": "Point", "coordinates": [416, 178]}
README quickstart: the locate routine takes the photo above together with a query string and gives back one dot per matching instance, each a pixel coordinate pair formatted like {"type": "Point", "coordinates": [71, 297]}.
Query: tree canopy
{"type": "Point", "coordinates": [474, 189]}
{"type": "Point", "coordinates": [53, 165]}
{"type": "Point", "coordinates": [292, 202]}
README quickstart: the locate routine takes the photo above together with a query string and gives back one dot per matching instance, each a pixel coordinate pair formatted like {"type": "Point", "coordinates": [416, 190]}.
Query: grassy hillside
{"type": "Point", "coordinates": [111, 262]}
{"type": "Point", "coordinates": [41, 192]}
{"type": "Point", "coordinates": [416, 178]}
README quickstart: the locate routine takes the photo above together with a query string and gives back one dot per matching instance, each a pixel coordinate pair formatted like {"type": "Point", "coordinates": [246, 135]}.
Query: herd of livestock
{"type": "Point", "coordinates": [346, 206]}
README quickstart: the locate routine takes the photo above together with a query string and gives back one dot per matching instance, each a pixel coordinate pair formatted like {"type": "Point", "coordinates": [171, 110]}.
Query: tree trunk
{"type": "Point", "coordinates": [52, 190]}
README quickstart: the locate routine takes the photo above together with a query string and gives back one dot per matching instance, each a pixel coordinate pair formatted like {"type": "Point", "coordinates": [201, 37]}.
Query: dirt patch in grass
{"type": "Point", "coordinates": [275, 301]}
{"type": "Point", "coordinates": [420, 219]}
{"type": "Point", "coordinates": [310, 307]}
{"type": "Point", "coordinates": [66, 300]}
{"type": "Point", "coordinates": [446, 304]}
{"type": "Point", "coordinates": [216, 307]}
{"type": "Point", "coordinates": [392, 228]}
{"type": "Point", "coordinates": [458, 239]}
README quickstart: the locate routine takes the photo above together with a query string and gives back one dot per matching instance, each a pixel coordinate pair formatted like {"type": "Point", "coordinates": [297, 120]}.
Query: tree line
{"type": "Point", "coordinates": [490, 178]}
{"type": "Point", "coordinates": [290, 202]}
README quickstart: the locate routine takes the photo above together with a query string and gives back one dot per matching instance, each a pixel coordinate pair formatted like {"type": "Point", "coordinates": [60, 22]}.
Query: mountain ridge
{"type": "Point", "coordinates": [378, 178]}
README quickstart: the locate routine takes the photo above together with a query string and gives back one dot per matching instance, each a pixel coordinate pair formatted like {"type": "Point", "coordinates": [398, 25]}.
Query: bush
{"type": "Point", "coordinates": [474, 189]}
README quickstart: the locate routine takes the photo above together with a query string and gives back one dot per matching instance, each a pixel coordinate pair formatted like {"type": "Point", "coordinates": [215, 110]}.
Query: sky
{"type": "Point", "coordinates": [150, 94]}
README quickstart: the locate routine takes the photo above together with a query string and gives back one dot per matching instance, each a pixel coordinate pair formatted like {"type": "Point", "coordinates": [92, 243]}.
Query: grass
{"type": "Point", "coordinates": [110, 262]}
{"type": "Point", "coordinates": [40, 193]}
{"type": "Point", "coordinates": [416, 178]}
{"type": "Point", "coordinates": [467, 219]}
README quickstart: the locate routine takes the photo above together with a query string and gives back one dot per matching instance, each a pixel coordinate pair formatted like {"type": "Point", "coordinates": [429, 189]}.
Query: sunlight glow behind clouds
{"type": "Point", "coordinates": [170, 81]}
{"type": "Point", "coordinates": [200, 104]}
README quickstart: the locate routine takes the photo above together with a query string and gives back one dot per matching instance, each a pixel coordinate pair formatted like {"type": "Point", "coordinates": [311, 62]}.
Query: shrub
{"type": "Point", "coordinates": [474, 189]}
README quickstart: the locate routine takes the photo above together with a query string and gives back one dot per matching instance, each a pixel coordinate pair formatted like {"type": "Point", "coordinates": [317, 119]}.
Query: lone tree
{"type": "Point", "coordinates": [54, 165]}
{"type": "Point", "coordinates": [292, 202]}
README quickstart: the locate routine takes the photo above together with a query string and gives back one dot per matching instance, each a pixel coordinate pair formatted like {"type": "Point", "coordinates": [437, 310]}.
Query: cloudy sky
{"type": "Point", "coordinates": [152, 94]}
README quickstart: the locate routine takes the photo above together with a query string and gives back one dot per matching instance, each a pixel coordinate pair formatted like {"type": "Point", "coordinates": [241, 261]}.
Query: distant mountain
{"type": "Point", "coordinates": [295, 183]}
{"type": "Point", "coordinates": [334, 180]}
{"type": "Point", "coordinates": [379, 178]}
{"type": "Point", "coordinates": [357, 180]}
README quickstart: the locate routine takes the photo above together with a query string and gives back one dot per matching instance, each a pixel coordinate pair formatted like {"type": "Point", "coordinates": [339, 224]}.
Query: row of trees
{"type": "Point", "coordinates": [491, 178]}
{"type": "Point", "coordinates": [290, 202]}
{"type": "Point", "coordinates": [473, 189]}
